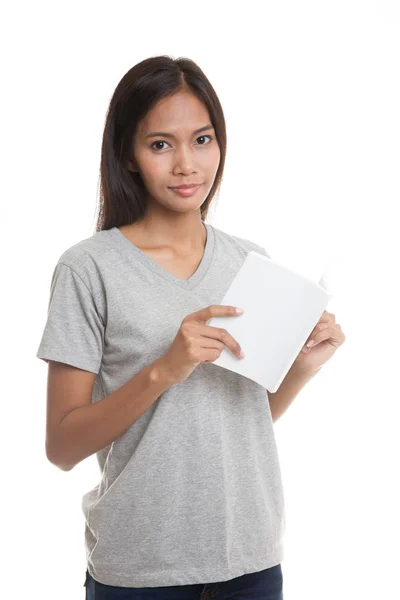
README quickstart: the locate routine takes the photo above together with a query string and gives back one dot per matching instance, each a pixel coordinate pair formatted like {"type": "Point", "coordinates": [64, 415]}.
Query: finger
{"type": "Point", "coordinates": [327, 317]}
{"type": "Point", "coordinates": [325, 320]}
{"type": "Point", "coordinates": [326, 334]}
{"type": "Point", "coordinates": [218, 345]}
{"type": "Point", "coordinates": [315, 332]}
{"type": "Point", "coordinates": [223, 336]}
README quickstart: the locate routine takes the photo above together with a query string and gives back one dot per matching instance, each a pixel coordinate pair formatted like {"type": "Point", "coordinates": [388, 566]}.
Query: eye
{"type": "Point", "coordinates": [163, 142]}
{"type": "Point", "coordinates": [205, 136]}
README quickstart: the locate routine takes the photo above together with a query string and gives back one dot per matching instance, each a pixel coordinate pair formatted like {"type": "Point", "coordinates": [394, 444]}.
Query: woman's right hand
{"type": "Point", "coordinates": [197, 342]}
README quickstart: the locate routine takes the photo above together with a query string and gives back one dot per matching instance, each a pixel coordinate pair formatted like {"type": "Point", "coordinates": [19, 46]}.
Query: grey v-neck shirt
{"type": "Point", "coordinates": [191, 493]}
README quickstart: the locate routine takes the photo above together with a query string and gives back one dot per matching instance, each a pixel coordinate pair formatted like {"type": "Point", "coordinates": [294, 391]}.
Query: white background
{"type": "Point", "coordinates": [311, 96]}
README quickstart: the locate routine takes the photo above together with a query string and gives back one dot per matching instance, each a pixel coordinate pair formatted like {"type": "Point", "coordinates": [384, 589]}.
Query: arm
{"type": "Point", "coordinates": [326, 337]}
{"type": "Point", "coordinates": [87, 429]}
{"type": "Point", "coordinates": [294, 381]}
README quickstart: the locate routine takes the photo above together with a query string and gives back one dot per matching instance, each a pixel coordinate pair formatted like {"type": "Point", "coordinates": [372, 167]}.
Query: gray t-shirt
{"type": "Point", "coordinates": [191, 493]}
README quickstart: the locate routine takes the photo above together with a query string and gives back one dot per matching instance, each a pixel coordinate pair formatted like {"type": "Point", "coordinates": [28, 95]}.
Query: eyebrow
{"type": "Point", "coordinates": [170, 135]}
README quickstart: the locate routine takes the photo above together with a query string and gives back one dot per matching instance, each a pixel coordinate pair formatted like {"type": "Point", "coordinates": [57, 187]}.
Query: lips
{"type": "Point", "coordinates": [186, 186]}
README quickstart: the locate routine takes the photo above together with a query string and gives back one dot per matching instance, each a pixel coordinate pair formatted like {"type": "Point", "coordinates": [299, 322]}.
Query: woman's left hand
{"type": "Point", "coordinates": [327, 336]}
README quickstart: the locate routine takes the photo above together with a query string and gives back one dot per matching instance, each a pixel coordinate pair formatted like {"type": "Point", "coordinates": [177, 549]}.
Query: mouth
{"type": "Point", "coordinates": [186, 191]}
{"type": "Point", "coordinates": [186, 187]}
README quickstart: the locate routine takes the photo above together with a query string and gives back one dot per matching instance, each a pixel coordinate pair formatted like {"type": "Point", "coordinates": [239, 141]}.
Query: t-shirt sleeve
{"type": "Point", "coordinates": [74, 330]}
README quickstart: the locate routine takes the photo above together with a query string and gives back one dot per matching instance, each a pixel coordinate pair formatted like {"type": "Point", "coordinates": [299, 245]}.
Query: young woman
{"type": "Point", "coordinates": [190, 501]}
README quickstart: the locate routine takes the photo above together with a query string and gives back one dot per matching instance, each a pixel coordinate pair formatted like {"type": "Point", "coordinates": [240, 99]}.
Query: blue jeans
{"type": "Point", "coordinates": [263, 585]}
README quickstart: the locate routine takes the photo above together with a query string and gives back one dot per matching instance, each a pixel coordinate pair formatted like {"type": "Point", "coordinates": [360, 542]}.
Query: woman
{"type": "Point", "coordinates": [190, 501]}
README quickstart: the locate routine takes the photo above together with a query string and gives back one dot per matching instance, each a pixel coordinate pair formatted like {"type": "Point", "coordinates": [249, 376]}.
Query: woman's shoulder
{"type": "Point", "coordinates": [84, 256]}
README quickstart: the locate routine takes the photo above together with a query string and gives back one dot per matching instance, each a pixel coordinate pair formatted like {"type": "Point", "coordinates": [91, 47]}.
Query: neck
{"type": "Point", "coordinates": [186, 233]}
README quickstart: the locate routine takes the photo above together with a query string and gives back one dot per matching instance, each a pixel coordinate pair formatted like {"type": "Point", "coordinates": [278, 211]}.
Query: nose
{"type": "Point", "coordinates": [183, 161]}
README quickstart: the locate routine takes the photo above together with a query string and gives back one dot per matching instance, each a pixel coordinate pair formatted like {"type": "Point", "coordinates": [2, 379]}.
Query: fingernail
{"type": "Point", "coordinates": [242, 354]}
{"type": "Point", "coordinates": [239, 310]}
{"type": "Point", "coordinates": [310, 343]}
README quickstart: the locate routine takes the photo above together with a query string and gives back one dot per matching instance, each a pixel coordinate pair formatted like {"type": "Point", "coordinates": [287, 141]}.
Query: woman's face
{"type": "Point", "coordinates": [181, 157]}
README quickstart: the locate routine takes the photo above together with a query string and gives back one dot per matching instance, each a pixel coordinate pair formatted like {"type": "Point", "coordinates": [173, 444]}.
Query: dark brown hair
{"type": "Point", "coordinates": [122, 192]}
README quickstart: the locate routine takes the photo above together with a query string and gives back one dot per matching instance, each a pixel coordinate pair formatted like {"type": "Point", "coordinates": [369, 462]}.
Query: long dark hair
{"type": "Point", "coordinates": [122, 192]}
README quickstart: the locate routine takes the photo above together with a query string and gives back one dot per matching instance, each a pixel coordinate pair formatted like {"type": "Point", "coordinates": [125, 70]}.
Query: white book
{"type": "Point", "coordinates": [281, 308]}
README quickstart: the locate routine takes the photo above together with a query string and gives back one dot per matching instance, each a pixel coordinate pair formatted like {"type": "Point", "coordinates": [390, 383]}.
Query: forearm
{"type": "Point", "coordinates": [88, 429]}
{"type": "Point", "coordinates": [294, 381]}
